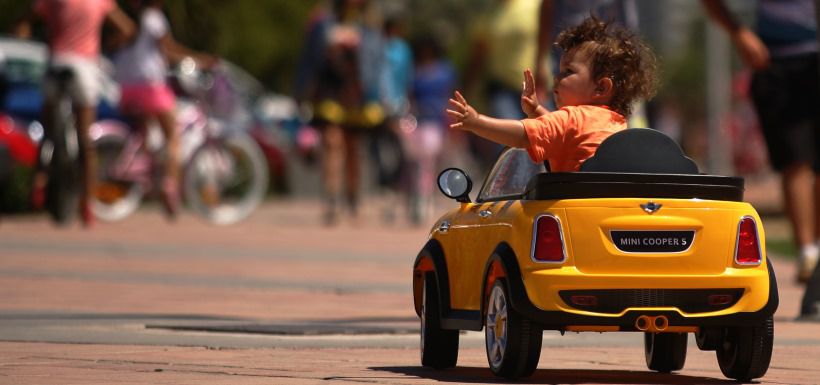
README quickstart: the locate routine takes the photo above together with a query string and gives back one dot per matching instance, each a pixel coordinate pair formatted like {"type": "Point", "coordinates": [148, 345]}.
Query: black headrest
{"type": "Point", "coordinates": [640, 150]}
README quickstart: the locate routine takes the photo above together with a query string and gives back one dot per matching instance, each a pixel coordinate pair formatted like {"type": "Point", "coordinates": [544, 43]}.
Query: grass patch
{"type": "Point", "coordinates": [782, 248]}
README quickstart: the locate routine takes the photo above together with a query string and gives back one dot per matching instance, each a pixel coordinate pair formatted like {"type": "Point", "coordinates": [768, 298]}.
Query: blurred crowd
{"type": "Point", "coordinates": [370, 89]}
{"type": "Point", "coordinates": [362, 79]}
{"type": "Point", "coordinates": [365, 81]}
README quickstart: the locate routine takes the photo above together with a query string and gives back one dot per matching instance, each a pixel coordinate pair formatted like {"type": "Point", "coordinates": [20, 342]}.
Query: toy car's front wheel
{"type": "Point", "coordinates": [439, 347]}
{"type": "Point", "coordinates": [665, 352]}
{"type": "Point", "coordinates": [746, 351]}
{"type": "Point", "coordinates": [513, 342]}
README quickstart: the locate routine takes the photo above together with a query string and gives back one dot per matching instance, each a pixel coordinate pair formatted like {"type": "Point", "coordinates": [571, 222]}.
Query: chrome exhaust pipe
{"type": "Point", "coordinates": [656, 324]}
{"type": "Point", "coordinates": [643, 323]}
{"type": "Point", "coordinates": [660, 323]}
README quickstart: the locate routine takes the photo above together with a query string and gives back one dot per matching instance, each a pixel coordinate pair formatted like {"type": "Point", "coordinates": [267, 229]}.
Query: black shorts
{"type": "Point", "coordinates": [787, 100]}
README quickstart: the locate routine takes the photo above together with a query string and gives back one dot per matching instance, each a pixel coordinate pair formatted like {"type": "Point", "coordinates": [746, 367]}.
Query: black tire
{"type": "Point", "coordinates": [114, 199]}
{"type": "Point", "coordinates": [665, 352]}
{"type": "Point", "coordinates": [64, 173]}
{"type": "Point", "coordinates": [518, 356]}
{"type": "Point", "coordinates": [709, 338]}
{"type": "Point", "coordinates": [746, 351]}
{"type": "Point", "coordinates": [234, 171]}
{"type": "Point", "coordinates": [439, 347]}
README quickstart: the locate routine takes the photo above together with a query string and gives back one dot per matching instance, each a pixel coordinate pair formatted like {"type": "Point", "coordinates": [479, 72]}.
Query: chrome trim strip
{"type": "Point", "coordinates": [444, 227]}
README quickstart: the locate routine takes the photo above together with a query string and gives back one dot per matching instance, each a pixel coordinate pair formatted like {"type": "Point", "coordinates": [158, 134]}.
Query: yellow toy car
{"type": "Point", "coordinates": [638, 241]}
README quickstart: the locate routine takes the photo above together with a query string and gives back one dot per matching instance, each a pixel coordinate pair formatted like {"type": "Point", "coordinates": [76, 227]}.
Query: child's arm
{"type": "Point", "coordinates": [504, 131]}
{"type": "Point", "coordinates": [529, 100]}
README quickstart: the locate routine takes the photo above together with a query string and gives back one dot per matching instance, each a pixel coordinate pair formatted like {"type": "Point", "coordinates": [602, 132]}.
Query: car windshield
{"type": "Point", "coordinates": [510, 175]}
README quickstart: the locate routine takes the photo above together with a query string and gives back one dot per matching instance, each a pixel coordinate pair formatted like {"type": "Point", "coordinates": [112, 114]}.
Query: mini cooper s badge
{"type": "Point", "coordinates": [651, 207]}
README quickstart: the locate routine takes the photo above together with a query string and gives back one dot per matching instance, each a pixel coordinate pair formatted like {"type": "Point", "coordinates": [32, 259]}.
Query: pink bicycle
{"type": "Point", "coordinates": [225, 176]}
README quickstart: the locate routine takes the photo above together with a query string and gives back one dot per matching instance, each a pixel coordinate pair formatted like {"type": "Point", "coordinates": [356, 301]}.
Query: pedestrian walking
{"type": "Point", "coordinates": [783, 52]}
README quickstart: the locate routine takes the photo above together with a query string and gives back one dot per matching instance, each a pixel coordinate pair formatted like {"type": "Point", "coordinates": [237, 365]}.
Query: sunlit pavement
{"type": "Point", "coordinates": [280, 298]}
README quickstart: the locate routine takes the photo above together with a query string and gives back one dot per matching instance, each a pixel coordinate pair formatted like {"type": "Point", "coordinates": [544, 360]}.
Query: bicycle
{"type": "Point", "coordinates": [60, 153]}
{"type": "Point", "coordinates": [224, 177]}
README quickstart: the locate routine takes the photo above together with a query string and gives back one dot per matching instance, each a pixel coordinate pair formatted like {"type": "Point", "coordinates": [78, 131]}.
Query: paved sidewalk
{"type": "Point", "coordinates": [87, 296]}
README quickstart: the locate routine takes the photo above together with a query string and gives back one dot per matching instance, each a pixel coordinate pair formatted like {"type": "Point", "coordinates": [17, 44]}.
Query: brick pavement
{"type": "Point", "coordinates": [262, 270]}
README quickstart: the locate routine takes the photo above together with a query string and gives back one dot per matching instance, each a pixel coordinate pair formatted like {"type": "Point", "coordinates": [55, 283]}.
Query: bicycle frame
{"type": "Point", "coordinates": [224, 174]}
{"type": "Point", "coordinates": [136, 162]}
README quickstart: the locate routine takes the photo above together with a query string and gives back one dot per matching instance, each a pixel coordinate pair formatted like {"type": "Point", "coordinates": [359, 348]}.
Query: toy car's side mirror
{"type": "Point", "coordinates": [455, 184]}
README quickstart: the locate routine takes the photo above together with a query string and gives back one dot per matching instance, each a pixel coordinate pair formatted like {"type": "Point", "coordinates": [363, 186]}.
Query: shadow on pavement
{"type": "Point", "coordinates": [551, 376]}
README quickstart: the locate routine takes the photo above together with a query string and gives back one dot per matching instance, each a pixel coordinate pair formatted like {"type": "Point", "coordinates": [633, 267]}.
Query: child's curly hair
{"type": "Point", "coordinates": [618, 54]}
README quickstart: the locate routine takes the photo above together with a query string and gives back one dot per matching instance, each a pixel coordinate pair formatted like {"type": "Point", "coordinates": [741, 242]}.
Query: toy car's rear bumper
{"type": "Point", "coordinates": [752, 296]}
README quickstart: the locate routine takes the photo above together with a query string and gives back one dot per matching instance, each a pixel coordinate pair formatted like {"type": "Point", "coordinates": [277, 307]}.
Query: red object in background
{"type": "Point", "coordinates": [749, 151]}
{"type": "Point", "coordinates": [273, 155]}
{"type": "Point", "coordinates": [21, 148]}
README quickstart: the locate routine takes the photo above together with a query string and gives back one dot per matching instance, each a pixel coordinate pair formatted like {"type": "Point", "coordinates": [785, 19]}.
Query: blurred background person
{"type": "Point", "coordinates": [386, 146]}
{"type": "Point", "coordinates": [141, 70]}
{"type": "Point", "coordinates": [433, 83]}
{"type": "Point", "coordinates": [339, 75]}
{"type": "Point", "coordinates": [504, 45]}
{"type": "Point", "coordinates": [74, 33]}
{"type": "Point", "coordinates": [783, 52]}
{"type": "Point", "coordinates": [555, 16]}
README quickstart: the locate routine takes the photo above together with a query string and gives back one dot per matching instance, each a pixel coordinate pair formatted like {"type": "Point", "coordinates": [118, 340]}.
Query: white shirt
{"type": "Point", "coordinates": [143, 61]}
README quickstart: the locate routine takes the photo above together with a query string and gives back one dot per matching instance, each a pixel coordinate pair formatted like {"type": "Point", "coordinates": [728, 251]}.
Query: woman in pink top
{"type": "Point", "coordinates": [602, 71]}
{"type": "Point", "coordinates": [74, 28]}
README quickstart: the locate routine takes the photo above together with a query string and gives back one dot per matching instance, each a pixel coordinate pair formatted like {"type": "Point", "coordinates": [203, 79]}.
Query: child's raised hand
{"type": "Point", "coordinates": [465, 116]}
{"type": "Point", "coordinates": [529, 100]}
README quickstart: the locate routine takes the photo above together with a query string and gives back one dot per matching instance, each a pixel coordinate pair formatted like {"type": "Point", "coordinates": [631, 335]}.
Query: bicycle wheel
{"type": "Point", "coordinates": [115, 197]}
{"type": "Point", "coordinates": [226, 179]}
{"type": "Point", "coordinates": [64, 172]}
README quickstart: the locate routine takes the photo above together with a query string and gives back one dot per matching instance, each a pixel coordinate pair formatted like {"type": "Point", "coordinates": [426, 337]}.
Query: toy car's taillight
{"type": "Point", "coordinates": [548, 245]}
{"type": "Point", "coordinates": [747, 249]}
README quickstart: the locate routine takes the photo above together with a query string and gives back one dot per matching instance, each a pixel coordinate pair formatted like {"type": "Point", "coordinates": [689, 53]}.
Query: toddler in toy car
{"type": "Point", "coordinates": [603, 69]}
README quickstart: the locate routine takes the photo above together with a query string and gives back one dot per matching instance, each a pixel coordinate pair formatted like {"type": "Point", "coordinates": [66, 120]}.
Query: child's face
{"type": "Point", "coordinates": [574, 85]}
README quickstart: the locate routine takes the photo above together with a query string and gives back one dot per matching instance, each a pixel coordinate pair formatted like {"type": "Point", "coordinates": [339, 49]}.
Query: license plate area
{"type": "Point", "coordinates": [652, 241]}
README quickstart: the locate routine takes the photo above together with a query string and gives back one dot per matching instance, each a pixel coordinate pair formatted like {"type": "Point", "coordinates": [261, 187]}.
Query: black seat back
{"type": "Point", "coordinates": [640, 150]}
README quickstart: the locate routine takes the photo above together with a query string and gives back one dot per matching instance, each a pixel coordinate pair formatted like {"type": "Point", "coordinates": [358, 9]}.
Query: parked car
{"type": "Point", "coordinates": [23, 65]}
{"type": "Point", "coordinates": [638, 241]}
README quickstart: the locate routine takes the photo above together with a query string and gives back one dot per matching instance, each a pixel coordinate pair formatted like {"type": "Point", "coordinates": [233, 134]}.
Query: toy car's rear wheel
{"type": "Point", "coordinates": [746, 351]}
{"type": "Point", "coordinates": [665, 352]}
{"type": "Point", "coordinates": [513, 342]}
{"type": "Point", "coordinates": [709, 338]}
{"type": "Point", "coordinates": [439, 347]}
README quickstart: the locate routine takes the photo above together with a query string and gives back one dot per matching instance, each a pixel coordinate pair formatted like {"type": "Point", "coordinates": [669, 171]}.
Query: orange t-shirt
{"type": "Point", "coordinates": [569, 136]}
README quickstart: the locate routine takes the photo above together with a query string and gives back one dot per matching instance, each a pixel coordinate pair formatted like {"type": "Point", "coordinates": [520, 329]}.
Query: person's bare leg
{"type": "Point", "coordinates": [85, 117]}
{"type": "Point", "coordinates": [352, 171]}
{"type": "Point", "coordinates": [170, 181]}
{"type": "Point", "coordinates": [816, 209]}
{"type": "Point", "coordinates": [811, 265]}
{"type": "Point", "coordinates": [167, 121]}
{"type": "Point", "coordinates": [332, 165]}
{"type": "Point", "coordinates": [798, 193]}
